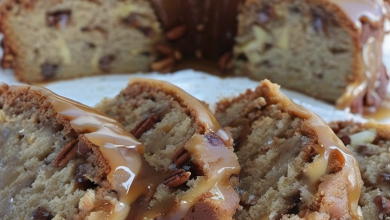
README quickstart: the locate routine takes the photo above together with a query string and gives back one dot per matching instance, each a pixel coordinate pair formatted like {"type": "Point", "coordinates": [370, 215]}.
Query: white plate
{"type": "Point", "coordinates": [90, 90]}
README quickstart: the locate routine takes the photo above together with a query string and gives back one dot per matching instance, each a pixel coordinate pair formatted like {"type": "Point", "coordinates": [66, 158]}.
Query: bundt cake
{"type": "Point", "coordinates": [330, 49]}
{"type": "Point", "coordinates": [292, 164]}
{"type": "Point", "coordinates": [63, 160]}
{"type": "Point", "coordinates": [181, 138]}
{"type": "Point", "coordinates": [370, 143]}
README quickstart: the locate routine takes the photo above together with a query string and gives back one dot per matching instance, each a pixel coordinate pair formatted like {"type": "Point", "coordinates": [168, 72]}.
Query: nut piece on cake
{"type": "Point", "coordinates": [183, 141]}
{"type": "Point", "coordinates": [63, 160]}
{"type": "Point", "coordinates": [328, 49]}
{"type": "Point", "coordinates": [370, 142]}
{"type": "Point", "coordinates": [292, 164]}
{"type": "Point", "coordinates": [48, 40]}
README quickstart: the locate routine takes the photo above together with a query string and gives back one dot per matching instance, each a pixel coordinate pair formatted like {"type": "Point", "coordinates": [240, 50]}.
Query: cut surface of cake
{"type": "Point", "coordinates": [182, 139]}
{"type": "Point", "coordinates": [304, 45]}
{"type": "Point", "coordinates": [292, 164]}
{"type": "Point", "coordinates": [329, 49]}
{"type": "Point", "coordinates": [54, 39]}
{"type": "Point", "coordinates": [63, 160]}
{"type": "Point", "coordinates": [370, 142]}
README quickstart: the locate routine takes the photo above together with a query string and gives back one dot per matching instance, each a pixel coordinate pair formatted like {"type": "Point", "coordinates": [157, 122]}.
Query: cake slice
{"type": "Point", "coordinates": [292, 164]}
{"type": "Point", "coordinates": [328, 49]}
{"type": "Point", "coordinates": [182, 139]}
{"type": "Point", "coordinates": [370, 143]}
{"type": "Point", "coordinates": [48, 39]}
{"type": "Point", "coordinates": [63, 160]}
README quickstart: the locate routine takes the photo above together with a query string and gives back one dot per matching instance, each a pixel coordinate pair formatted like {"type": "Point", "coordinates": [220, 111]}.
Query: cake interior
{"type": "Point", "coordinates": [275, 149]}
{"type": "Point", "coordinates": [164, 126]}
{"type": "Point", "coordinates": [72, 38]}
{"type": "Point", "coordinates": [370, 143]}
{"type": "Point", "coordinates": [33, 186]}
{"type": "Point", "coordinates": [297, 44]}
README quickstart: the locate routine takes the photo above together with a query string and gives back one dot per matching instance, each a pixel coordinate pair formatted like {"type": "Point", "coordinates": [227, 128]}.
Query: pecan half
{"type": "Point", "coordinates": [164, 49]}
{"type": "Point", "coordinates": [163, 65]}
{"type": "Point", "coordinates": [144, 125]}
{"type": "Point", "coordinates": [177, 178]}
{"type": "Point", "coordinates": [181, 157]}
{"type": "Point", "coordinates": [176, 32]}
{"type": "Point", "coordinates": [224, 62]}
{"type": "Point", "coordinates": [66, 154]}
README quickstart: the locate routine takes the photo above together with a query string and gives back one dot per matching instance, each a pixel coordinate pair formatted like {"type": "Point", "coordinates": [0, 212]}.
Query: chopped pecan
{"type": "Point", "coordinates": [177, 178]}
{"type": "Point", "coordinates": [181, 157]}
{"type": "Point", "coordinates": [144, 125]}
{"type": "Point", "coordinates": [49, 70]}
{"type": "Point", "coordinates": [383, 204]}
{"type": "Point", "coordinates": [224, 62]}
{"type": "Point", "coordinates": [176, 33]}
{"type": "Point", "coordinates": [163, 65]}
{"type": "Point", "coordinates": [58, 19]}
{"type": "Point", "coordinates": [105, 62]}
{"type": "Point", "coordinates": [164, 49]}
{"type": "Point", "coordinates": [345, 139]}
{"type": "Point", "coordinates": [41, 214]}
{"type": "Point", "coordinates": [66, 154]}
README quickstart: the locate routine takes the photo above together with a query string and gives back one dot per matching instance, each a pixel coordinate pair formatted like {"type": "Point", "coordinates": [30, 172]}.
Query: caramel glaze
{"type": "Point", "coordinates": [121, 150]}
{"type": "Point", "coordinates": [213, 146]}
{"type": "Point", "coordinates": [369, 88]}
{"type": "Point", "coordinates": [330, 149]}
{"type": "Point", "coordinates": [211, 25]}
{"type": "Point", "coordinates": [130, 175]}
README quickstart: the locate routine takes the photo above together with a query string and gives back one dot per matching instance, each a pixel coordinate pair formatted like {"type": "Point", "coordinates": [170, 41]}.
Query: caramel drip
{"type": "Point", "coordinates": [366, 16]}
{"type": "Point", "coordinates": [356, 10]}
{"type": "Point", "coordinates": [330, 145]}
{"type": "Point", "coordinates": [221, 160]}
{"type": "Point", "coordinates": [130, 175]}
{"type": "Point", "coordinates": [205, 117]}
{"type": "Point", "coordinates": [121, 150]}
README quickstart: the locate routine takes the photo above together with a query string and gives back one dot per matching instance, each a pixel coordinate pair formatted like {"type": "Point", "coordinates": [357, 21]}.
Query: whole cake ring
{"type": "Point", "coordinates": [328, 49]}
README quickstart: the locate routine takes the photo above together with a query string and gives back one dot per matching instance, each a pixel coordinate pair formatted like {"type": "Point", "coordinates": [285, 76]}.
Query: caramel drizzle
{"type": "Point", "coordinates": [216, 182]}
{"type": "Point", "coordinates": [373, 12]}
{"type": "Point", "coordinates": [130, 175]}
{"type": "Point", "coordinates": [330, 145]}
{"type": "Point", "coordinates": [121, 150]}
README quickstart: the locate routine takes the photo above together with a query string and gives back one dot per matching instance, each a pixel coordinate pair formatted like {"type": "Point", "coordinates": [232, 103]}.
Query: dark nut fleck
{"type": "Point", "coordinates": [133, 20]}
{"type": "Point", "coordinates": [82, 148]}
{"type": "Point", "coordinates": [58, 19]}
{"type": "Point", "coordinates": [81, 181]}
{"type": "Point", "coordinates": [177, 178]}
{"type": "Point", "coordinates": [105, 62]}
{"type": "Point", "coordinates": [214, 140]}
{"type": "Point", "coordinates": [49, 70]}
{"type": "Point", "coordinates": [382, 203]}
{"type": "Point", "coordinates": [41, 214]}
{"type": "Point", "coordinates": [345, 139]}
{"type": "Point", "coordinates": [224, 62]}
